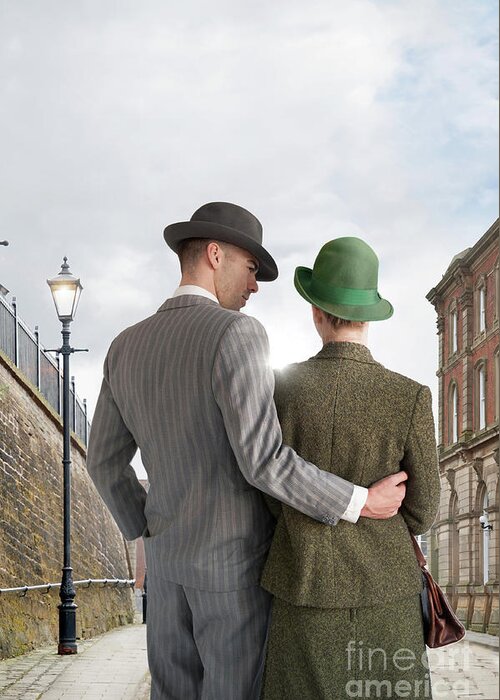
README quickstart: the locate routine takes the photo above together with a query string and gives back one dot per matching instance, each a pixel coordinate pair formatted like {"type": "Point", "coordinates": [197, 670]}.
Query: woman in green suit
{"type": "Point", "coordinates": [346, 619]}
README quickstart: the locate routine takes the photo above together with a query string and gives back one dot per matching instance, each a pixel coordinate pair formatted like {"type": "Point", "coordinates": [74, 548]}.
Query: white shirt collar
{"type": "Point", "coordinates": [194, 289]}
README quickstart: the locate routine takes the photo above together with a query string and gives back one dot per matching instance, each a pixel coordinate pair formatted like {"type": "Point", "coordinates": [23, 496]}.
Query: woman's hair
{"type": "Point", "coordinates": [336, 322]}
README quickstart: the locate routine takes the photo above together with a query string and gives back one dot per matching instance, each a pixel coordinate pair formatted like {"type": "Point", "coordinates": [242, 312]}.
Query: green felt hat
{"type": "Point", "coordinates": [344, 281]}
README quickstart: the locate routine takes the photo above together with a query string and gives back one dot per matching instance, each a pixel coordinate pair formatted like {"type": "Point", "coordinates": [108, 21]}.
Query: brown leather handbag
{"type": "Point", "coordinates": [441, 625]}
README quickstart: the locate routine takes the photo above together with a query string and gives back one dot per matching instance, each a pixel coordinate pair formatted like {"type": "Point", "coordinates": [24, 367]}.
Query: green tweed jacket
{"type": "Point", "coordinates": [349, 415]}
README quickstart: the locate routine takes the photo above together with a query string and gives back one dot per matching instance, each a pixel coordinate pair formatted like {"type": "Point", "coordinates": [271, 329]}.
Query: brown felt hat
{"type": "Point", "coordinates": [229, 223]}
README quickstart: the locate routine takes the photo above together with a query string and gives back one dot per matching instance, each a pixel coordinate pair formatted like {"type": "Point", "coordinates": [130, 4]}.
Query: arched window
{"type": "Point", "coordinates": [453, 413]}
{"type": "Point", "coordinates": [480, 395]}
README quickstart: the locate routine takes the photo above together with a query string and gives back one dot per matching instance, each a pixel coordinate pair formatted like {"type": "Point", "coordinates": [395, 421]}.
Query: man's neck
{"type": "Point", "coordinates": [194, 290]}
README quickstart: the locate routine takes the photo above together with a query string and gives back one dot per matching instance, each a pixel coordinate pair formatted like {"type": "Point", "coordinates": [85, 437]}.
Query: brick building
{"type": "Point", "coordinates": [463, 543]}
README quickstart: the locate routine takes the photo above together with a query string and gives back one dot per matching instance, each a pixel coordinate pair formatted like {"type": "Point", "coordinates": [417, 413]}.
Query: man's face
{"type": "Point", "coordinates": [235, 279]}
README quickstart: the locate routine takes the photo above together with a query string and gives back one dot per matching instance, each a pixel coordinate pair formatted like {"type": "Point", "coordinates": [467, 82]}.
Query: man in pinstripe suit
{"type": "Point", "coordinates": [191, 388]}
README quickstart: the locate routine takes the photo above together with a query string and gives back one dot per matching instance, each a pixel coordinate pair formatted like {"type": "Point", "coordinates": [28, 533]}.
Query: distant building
{"type": "Point", "coordinates": [463, 546]}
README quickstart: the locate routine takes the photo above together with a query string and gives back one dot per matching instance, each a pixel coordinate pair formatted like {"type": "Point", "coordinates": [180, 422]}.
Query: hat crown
{"type": "Point", "coordinates": [232, 216]}
{"type": "Point", "coordinates": [344, 281]}
{"type": "Point", "coordinates": [347, 263]}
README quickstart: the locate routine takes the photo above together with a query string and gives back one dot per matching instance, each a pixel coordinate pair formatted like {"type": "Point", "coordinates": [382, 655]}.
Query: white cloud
{"type": "Point", "coordinates": [374, 118]}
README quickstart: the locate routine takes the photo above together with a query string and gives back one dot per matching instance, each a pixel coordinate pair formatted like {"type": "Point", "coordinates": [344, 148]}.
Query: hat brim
{"type": "Point", "coordinates": [380, 311]}
{"type": "Point", "coordinates": [183, 230]}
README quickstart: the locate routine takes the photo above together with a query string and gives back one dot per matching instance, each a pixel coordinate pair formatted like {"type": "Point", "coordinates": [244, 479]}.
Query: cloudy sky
{"type": "Point", "coordinates": [372, 118]}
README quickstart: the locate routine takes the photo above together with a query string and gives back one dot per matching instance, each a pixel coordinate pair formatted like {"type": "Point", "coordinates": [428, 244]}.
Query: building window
{"type": "Point", "coordinates": [497, 290]}
{"type": "Point", "coordinates": [453, 414]}
{"type": "Point", "coordinates": [481, 308]}
{"type": "Point", "coordinates": [480, 396]}
{"type": "Point", "coordinates": [497, 388]}
{"type": "Point", "coordinates": [486, 541]}
{"type": "Point", "coordinates": [453, 332]}
{"type": "Point", "coordinates": [423, 544]}
{"type": "Point", "coordinates": [454, 541]}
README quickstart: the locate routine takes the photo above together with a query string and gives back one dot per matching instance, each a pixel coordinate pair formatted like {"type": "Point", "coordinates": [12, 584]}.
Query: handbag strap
{"type": "Point", "coordinates": [418, 552]}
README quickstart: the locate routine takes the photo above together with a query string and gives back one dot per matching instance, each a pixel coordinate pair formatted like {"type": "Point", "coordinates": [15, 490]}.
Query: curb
{"type": "Point", "coordinates": [486, 640]}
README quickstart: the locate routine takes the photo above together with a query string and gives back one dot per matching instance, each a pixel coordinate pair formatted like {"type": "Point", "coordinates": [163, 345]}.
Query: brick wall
{"type": "Point", "coordinates": [31, 525]}
{"type": "Point", "coordinates": [462, 294]}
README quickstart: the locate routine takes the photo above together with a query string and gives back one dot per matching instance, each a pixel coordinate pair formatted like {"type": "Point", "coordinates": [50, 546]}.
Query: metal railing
{"type": "Point", "coordinates": [21, 591]}
{"type": "Point", "coordinates": [40, 368]}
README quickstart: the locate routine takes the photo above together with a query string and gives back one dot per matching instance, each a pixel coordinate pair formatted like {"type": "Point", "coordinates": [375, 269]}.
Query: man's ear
{"type": "Point", "coordinates": [214, 254]}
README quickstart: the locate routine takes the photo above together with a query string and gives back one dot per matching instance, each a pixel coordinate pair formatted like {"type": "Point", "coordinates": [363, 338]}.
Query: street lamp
{"type": "Point", "coordinates": [485, 523]}
{"type": "Point", "coordinates": [66, 290]}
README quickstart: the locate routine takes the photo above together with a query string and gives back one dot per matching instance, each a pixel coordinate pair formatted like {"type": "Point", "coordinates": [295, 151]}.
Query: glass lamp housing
{"type": "Point", "coordinates": [66, 290]}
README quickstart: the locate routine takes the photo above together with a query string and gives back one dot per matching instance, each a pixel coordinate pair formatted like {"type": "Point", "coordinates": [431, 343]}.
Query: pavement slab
{"type": "Point", "coordinates": [114, 667]}
{"type": "Point", "coordinates": [465, 670]}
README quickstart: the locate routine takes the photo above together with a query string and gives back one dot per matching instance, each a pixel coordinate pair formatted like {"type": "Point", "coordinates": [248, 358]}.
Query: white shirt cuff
{"type": "Point", "coordinates": [356, 504]}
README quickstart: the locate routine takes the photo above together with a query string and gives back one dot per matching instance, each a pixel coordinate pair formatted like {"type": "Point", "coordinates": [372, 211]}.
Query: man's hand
{"type": "Point", "coordinates": [385, 497]}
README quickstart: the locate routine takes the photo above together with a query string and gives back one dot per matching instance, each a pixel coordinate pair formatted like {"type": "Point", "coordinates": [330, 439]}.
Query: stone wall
{"type": "Point", "coordinates": [460, 542]}
{"type": "Point", "coordinates": [31, 525]}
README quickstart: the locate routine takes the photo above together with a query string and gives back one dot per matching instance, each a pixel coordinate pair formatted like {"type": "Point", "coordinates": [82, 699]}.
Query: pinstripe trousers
{"type": "Point", "coordinates": [206, 645]}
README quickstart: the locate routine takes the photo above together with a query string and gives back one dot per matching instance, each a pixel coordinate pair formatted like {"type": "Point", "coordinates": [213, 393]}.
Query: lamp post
{"type": "Point", "coordinates": [66, 290]}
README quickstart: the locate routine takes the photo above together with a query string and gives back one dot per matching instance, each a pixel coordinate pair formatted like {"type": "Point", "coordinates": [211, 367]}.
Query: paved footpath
{"type": "Point", "coordinates": [114, 667]}
{"type": "Point", "coordinates": [468, 669]}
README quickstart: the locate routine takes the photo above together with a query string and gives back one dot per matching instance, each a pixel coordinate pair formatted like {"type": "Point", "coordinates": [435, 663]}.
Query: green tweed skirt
{"type": "Point", "coordinates": [336, 654]}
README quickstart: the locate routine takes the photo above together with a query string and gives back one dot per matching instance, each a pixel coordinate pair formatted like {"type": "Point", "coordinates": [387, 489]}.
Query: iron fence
{"type": "Point", "coordinates": [86, 583]}
{"type": "Point", "coordinates": [39, 367]}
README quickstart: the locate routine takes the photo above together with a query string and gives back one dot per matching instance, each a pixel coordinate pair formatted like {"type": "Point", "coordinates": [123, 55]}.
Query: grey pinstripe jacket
{"type": "Point", "coordinates": [191, 388]}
